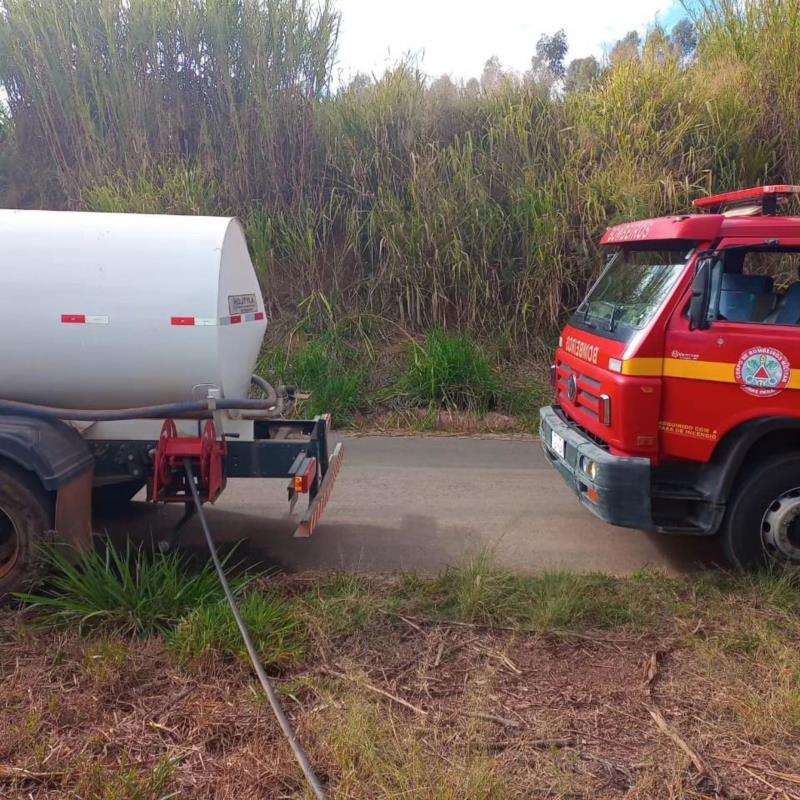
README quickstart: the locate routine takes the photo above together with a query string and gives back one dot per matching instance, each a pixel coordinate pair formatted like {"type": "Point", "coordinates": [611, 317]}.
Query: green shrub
{"type": "Point", "coordinates": [327, 371]}
{"type": "Point", "coordinates": [136, 591]}
{"type": "Point", "coordinates": [210, 633]}
{"type": "Point", "coordinates": [451, 371]}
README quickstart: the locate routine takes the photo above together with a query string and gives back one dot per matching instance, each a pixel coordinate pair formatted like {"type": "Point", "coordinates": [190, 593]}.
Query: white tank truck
{"type": "Point", "coordinates": [127, 347]}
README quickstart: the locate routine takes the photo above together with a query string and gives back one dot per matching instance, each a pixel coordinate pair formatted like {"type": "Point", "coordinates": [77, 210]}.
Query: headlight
{"type": "Point", "coordinates": [589, 467]}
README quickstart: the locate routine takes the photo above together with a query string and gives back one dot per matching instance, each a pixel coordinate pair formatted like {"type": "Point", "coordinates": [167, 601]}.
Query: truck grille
{"type": "Point", "coordinates": [578, 390]}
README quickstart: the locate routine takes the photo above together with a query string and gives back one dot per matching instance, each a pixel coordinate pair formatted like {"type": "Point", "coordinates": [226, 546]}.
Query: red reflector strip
{"type": "Point", "coordinates": [312, 516]}
{"type": "Point", "coordinates": [234, 319]}
{"type": "Point", "coordinates": [74, 319]}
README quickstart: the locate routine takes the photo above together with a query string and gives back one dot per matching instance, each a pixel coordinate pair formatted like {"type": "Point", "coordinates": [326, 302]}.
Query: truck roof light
{"type": "Point", "coordinates": [758, 200]}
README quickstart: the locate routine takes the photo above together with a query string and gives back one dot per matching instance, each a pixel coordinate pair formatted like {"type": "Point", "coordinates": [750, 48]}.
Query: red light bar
{"type": "Point", "coordinates": [718, 201]}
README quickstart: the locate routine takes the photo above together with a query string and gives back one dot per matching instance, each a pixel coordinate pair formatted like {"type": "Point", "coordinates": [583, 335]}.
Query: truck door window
{"type": "Point", "coordinates": [761, 287]}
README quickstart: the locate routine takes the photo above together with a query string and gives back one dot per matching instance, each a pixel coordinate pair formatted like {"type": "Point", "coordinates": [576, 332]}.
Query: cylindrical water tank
{"type": "Point", "coordinates": [118, 310]}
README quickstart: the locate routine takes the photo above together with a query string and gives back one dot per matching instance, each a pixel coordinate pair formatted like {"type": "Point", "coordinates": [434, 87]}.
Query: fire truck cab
{"type": "Point", "coordinates": [676, 378]}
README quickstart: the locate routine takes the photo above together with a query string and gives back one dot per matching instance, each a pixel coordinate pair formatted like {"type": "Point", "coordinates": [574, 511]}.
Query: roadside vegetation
{"type": "Point", "coordinates": [405, 204]}
{"type": "Point", "coordinates": [474, 683]}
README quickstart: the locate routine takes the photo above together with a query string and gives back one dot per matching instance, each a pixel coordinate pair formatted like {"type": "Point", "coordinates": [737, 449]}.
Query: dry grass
{"type": "Point", "coordinates": [467, 209]}
{"type": "Point", "coordinates": [406, 693]}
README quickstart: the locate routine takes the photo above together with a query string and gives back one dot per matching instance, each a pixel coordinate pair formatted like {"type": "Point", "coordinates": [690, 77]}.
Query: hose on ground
{"type": "Point", "coordinates": [266, 684]}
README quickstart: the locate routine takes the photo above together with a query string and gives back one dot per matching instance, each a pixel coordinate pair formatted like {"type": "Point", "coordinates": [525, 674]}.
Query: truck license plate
{"type": "Point", "coordinates": [557, 443]}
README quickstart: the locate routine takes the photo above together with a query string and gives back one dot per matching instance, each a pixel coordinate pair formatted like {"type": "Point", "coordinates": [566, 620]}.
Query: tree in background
{"type": "Point", "coordinates": [581, 75]}
{"type": "Point", "coordinates": [547, 66]}
{"type": "Point", "coordinates": [492, 75]}
{"type": "Point", "coordinates": [684, 37]}
{"type": "Point", "coordinates": [360, 82]}
{"type": "Point", "coordinates": [626, 49]}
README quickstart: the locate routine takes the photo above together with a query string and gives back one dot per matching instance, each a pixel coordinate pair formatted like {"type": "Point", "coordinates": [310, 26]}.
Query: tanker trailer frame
{"type": "Point", "coordinates": [128, 344]}
{"type": "Point", "coordinates": [52, 469]}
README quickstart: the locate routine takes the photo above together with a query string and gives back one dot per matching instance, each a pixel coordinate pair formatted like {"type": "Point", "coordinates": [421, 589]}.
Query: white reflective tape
{"type": "Point", "coordinates": [96, 320]}
{"type": "Point", "coordinates": [205, 321]}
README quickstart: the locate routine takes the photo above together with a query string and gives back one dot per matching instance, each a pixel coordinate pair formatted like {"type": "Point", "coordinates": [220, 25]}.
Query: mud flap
{"type": "Point", "coordinates": [315, 508]}
{"type": "Point", "coordinates": [73, 517]}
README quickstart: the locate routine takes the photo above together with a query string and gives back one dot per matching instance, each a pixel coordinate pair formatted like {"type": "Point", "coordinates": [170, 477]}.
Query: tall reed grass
{"type": "Point", "coordinates": [441, 206]}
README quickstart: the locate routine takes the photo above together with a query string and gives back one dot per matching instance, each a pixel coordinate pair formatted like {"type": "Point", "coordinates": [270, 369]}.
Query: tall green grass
{"type": "Point", "coordinates": [133, 591]}
{"type": "Point", "coordinates": [446, 207]}
{"type": "Point", "coordinates": [451, 371]}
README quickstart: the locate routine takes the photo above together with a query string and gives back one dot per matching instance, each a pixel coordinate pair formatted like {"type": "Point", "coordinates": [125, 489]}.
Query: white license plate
{"type": "Point", "coordinates": [557, 443]}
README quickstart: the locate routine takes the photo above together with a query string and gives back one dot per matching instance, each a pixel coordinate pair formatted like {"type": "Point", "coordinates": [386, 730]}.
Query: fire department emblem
{"type": "Point", "coordinates": [763, 371]}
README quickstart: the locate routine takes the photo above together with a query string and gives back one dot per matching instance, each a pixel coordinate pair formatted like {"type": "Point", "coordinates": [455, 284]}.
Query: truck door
{"type": "Point", "coordinates": [741, 366]}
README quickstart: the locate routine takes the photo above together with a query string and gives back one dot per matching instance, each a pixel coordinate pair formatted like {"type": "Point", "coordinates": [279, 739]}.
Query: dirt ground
{"type": "Point", "coordinates": [693, 706]}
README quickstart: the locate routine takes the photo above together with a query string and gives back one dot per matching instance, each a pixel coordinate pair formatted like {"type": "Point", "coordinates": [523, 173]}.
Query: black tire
{"type": "Point", "coordinates": [114, 496]}
{"type": "Point", "coordinates": [26, 521]}
{"type": "Point", "coordinates": [743, 529]}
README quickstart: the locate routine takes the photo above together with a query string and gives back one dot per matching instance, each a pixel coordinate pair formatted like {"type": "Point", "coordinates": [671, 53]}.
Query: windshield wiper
{"type": "Point", "coordinates": [586, 316]}
{"type": "Point", "coordinates": [612, 322]}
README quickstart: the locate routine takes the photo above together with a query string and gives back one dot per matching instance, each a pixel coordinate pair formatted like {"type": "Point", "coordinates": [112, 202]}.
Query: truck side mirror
{"type": "Point", "coordinates": [701, 296]}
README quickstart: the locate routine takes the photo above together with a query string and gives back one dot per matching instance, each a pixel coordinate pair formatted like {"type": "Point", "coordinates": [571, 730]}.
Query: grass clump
{"type": "Point", "coordinates": [98, 782]}
{"type": "Point", "coordinates": [450, 371]}
{"type": "Point", "coordinates": [393, 758]}
{"type": "Point", "coordinates": [481, 593]}
{"type": "Point", "coordinates": [104, 660]}
{"type": "Point", "coordinates": [325, 369]}
{"type": "Point", "coordinates": [209, 633]}
{"type": "Point", "coordinates": [137, 591]}
{"type": "Point", "coordinates": [342, 605]}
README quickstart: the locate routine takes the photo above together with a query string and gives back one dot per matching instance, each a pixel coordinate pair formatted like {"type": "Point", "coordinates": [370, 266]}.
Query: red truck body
{"type": "Point", "coordinates": [662, 414]}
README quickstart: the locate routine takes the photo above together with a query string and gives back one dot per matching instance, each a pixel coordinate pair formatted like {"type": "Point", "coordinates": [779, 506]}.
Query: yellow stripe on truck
{"type": "Point", "coordinates": [714, 371]}
{"type": "Point", "coordinates": [643, 367]}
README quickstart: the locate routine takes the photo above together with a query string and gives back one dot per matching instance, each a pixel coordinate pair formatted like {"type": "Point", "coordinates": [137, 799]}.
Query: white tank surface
{"type": "Point", "coordinates": [119, 310]}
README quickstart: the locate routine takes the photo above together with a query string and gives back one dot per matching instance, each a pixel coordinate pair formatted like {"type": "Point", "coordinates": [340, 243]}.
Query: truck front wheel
{"type": "Point", "coordinates": [762, 524]}
{"type": "Point", "coordinates": [25, 520]}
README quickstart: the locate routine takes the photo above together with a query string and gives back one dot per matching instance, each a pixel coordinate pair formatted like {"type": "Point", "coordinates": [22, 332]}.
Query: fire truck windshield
{"type": "Point", "coordinates": [630, 291]}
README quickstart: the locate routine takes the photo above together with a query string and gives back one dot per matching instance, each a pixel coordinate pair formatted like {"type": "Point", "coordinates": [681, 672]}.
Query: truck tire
{"type": "Point", "coordinates": [26, 521]}
{"type": "Point", "coordinates": [762, 523]}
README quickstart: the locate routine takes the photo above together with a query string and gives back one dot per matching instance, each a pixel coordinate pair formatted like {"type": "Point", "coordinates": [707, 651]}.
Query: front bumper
{"type": "Point", "coordinates": [620, 491]}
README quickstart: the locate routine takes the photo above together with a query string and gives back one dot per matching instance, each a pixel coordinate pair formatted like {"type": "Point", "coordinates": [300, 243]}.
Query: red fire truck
{"type": "Point", "coordinates": [678, 378]}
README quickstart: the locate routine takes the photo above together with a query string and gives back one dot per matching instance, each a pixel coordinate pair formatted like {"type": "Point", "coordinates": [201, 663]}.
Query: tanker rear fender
{"type": "Point", "coordinates": [50, 449]}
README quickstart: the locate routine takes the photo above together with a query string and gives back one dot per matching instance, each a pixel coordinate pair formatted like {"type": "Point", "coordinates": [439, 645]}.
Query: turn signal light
{"type": "Point", "coordinates": [304, 480]}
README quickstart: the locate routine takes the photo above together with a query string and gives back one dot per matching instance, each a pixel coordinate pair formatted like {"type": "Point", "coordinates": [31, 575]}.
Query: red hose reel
{"type": "Point", "coordinates": [206, 454]}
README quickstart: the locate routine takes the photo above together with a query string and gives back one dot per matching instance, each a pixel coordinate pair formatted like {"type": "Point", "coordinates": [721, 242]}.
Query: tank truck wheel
{"type": "Point", "coordinates": [762, 524]}
{"type": "Point", "coordinates": [115, 496]}
{"type": "Point", "coordinates": [26, 517]}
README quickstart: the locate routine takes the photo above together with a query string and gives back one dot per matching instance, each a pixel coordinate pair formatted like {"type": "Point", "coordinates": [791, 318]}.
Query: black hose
{"type": "Point", "coordinates": [270, 394]}
{"type": "Point", "coordinates": [194, 408]}
{"type": "Point", "coordinates": [280, 715]}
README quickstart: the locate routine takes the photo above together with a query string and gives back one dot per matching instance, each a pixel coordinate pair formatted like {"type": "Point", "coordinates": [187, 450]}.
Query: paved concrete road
{"type": "Point", "coordinates": [424, 503]}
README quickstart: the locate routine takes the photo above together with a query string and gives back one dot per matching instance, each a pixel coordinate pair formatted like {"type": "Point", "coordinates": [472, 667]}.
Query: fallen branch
{"type": "Point", "coordinates": [546, 744]}
{"type": "Point", "coordinates": [775, 789]}
{"type": "Point", "coordinates": [504, 721]}
{"type": "Point", "coordinates": [8, 773]}
{"type": "Point", "coordinates": [700, 766]}
{"type": "Point", "coordinates": [671, 733]}
{"type": "Point", "coordinates": [394, 698]}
